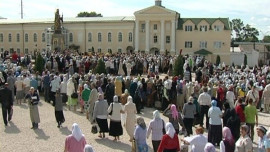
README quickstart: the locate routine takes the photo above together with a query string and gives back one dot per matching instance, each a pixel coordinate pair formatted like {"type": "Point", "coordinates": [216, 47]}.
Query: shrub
{"type": "Point", "coordinates": [100, 68]}
{"type": "Point", "coordinates": [178, 66]}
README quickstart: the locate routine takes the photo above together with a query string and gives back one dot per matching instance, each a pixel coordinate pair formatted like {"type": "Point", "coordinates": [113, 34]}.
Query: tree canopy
{"type": "Point", "coordinates": [89, 14]}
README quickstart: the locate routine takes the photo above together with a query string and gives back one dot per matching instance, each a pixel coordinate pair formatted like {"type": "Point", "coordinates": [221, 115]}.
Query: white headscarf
{"type": "Point", "coordinates": [170, 129]}
{"type": "Point", "coordinates": [115, 99]}
{"type": "Point", "coordinates": [130, 99]}
{"type": "Point", "coordinates": [76, 132]}
{"type": "Point", "coordinates": [85, 86]}
{"type": "Point", "coordinates": [156, 114]}
{"type": "Point", "coordinates": [88, 148]}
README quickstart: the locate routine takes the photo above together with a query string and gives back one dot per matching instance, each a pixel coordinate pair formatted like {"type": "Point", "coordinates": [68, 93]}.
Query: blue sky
{"type": "Point", "coordinates": [252, 12]}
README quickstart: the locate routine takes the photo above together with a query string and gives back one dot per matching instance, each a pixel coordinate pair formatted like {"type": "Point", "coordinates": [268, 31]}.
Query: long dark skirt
{"type": "Point", "coordinates": [188, 122]}
{"type": "Point", "coordinates": [59, 116]}
{"type": "Point", "coordinates": [115, 128]}
{"type": "Point", "coordinates": [215, 134]}
{"type": "Point", "coordinates": [103, 125]}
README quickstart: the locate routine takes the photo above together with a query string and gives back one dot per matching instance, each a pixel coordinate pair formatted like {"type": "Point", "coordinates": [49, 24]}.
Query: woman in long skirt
{"type": "Point", "coordinates": [130, 110]}
{"type": "Point", "coordinates": [33, 99]}
{"type": "Point", "coordinates": [70, 91]}
{"type": "Point", "coordinates": [116, 129]}
{"type": "Point", "coordinates": [59, 115]}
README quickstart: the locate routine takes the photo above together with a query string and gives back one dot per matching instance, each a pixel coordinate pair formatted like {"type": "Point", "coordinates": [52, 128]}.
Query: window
{"type": "Point", "coordinates": [2, 49]}
{"type": "Point", "coordinates": [26, 37]}
{"type": "Point", "coordinates": [70, 37]}
{"type": "Point", "coordinates": [99, 37]}
{"type": "Point", "coordinates": [203, 28]}
{"type": "Point", "coordinates": [35, 37]}
{"type": "Point", "coordinates": [9, 37]}
{"type": "Point", "coordinates": [119, 50]}
{"type": "Point", "coordinates": [99, 50]}
{"type": "Point", "coordinates": [168, 39]}
{"type": "Point", "coordinates": [188, 44]}
{"type": "Point", "coordinates": [18, 37]}
{"type": "Point", "coordinates": [109, 37]}
{"type": "Point", "coordinates": [119, 37]}
{"type": "Point", "coordinates": [130, 37]}
{"type": "Point", "coordinates": [217, 45]}
{"type": "Point", "coordinates": [18, 51]}
{"type": "Point", "coordinates": [1, 37]}
{"type": "Point", "coordinates": [143, 27]}
{"type": "Point", "coordinates": [43, 37]}
{"type": "Point", "coordinates": [155, 39]}
{"type": "Point", "coordinates": [89, 37]}
{"type": "Point", "coordinates": [155, 26]}
{"type": "Point", "coordinates": [188, 28]}
{"type": "Point", "coordinates": [26, 51]}
{"type": "Point", "coordinates": [109, 50]}
{"type": "Point", "coordinates": [217, 28]}
{"type": "Point", "coordinates": [203, 44]}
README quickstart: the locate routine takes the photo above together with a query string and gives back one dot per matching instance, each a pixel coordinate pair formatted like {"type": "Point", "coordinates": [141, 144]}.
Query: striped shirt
{"type": "Point", "coordinates": [156, 126]}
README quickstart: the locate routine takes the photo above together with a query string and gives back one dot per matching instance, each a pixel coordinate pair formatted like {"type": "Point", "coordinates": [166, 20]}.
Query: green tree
{"type": "Point", "coordinates": [39, 63]}
{"type": "Point", "coordinates": [218, 60]}
{"type": "Point", "coordinates": [237, 26]}
{"type": "Point", "coordinates": [100, 68]}
{"type": "Point", "coordinates": [89, 14]}
{"type": "Point", "coordinates": [178, 66]}
{"type": "Point", "coordinates": [245, 60]}
{"type": "Point", "coordinates": [266, 39]}
{"type": "Point", "coordinates": [74, 47]}
{"type": "Point", "coordinates": [250, 34]}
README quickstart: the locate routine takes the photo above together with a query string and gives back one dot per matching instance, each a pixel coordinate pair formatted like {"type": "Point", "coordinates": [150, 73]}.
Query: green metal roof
{"type": "Point", "coordinates": [196, 21]}
{"type": "Point", "coordinates": [203, 52]}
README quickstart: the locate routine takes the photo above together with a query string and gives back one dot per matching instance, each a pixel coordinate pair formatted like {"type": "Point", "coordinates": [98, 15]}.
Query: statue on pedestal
{"type": "Point", "coordinates": [58, 20]}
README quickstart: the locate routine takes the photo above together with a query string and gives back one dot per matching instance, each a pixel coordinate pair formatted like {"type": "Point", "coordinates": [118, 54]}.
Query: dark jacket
{"type": "Point", "coordinates": [6, 97]}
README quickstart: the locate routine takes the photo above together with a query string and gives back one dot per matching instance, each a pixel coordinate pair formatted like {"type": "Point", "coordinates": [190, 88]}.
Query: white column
{"type": "Point", "coordinates": [147, 39]}
{"type": "Point", "coordinates": [137, 27]}
{"type": "Point", "coordinates": [173, 37]}
{"type": "Point", "coordinates": [162, 37]}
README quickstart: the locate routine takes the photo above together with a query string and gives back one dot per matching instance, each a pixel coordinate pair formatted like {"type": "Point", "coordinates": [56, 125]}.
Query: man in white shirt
{"type": "Point", "coordinates": [205, 101]}
{"type": "Point", "coordinates": [254, 95]}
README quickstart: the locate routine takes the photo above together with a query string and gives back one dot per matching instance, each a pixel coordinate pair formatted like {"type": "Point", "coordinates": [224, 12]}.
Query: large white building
{"type": "Point", "coordinates": [155, 29]}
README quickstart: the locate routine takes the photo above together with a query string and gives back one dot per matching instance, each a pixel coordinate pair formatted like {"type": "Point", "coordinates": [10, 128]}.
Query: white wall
{"type": "Point", "coordinates": [238, 58]}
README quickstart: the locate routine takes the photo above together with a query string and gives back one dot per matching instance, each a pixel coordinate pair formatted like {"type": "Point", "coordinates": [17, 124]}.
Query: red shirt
{"type": "Point", "coordinates": [240, 112]}
{"type": "Point", "coordinates": [169, 143]}
{"type": "Point", "coordinates": [14, 57]}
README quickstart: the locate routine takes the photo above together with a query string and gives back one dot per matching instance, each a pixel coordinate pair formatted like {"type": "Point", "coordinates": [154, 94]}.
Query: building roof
{"type": "Point", "coordinates": [203, 52]}
{"type": "Point", "coordinates": [196, 21]}
{"type": "Point", "coordinates": [71, 20]}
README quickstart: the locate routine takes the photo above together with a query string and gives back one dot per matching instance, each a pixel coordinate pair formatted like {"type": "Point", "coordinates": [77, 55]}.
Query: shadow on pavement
{"type": "Point", "coordinates": [65, 131]}
{"type": "Point", "coordinates": [41, 134]}
{"type": "Point", "coordinates": [12, 129]}
{"type": "Point", "coordinates": [24, 106]}
{"type": "Point", "coordinates": [114, 145]}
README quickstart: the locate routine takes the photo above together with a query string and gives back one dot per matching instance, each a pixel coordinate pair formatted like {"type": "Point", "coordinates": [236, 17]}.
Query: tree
{"type": "Point", "coordinates": [237, 26]}
{"type": "Point", "coordinates": [100, 68]}
{"type": "Point", "coordinates": [218, 60]}
{"type": "Point", "coordinates": [74, 47]}
{"type": "Point", "coordinates": [245, 60]}
{"type": "Point", "coordinates": [250, 34]}
{"type": "Point", "coordinates": [266, 39]}
{"type": "Point", "coordinates": [39, 64]}
{"type": "Point", "coordinates": [89, 14]}
{"type": "Point", "coordinates": [178, 66]}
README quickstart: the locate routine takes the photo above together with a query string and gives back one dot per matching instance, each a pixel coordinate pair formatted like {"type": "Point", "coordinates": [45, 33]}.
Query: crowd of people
{"type": "Point", "coordinates": [222, 99]}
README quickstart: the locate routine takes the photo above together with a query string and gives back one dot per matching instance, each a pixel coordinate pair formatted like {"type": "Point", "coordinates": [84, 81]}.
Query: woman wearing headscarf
{"type": "Point", "coordinates": [80, 90]}
{"type": "Point", "coordinates": [140, 135]}
{"type": "Point", "coordinates": [63, 89]}
{"type": "Point", "coordinates": [33, 100]}
{"type": "Point", "coordinates": [156, 127]}
{"type": "Point", "coordinates": [234, 123]}
{"type": "Point", "coordinates": [267, 141]}
{"type": "Point", "coordinates": [85, 97]}
{"type": "Point", "coordinates": [92, 99]}
{"type": "Point", "coordinates": [174, 117]}
{"type": "Point", "coordinates": [228, 142]}
{"type": "Point", "coordinates": [189, 110]}
{"type": "Point", "coordinates": [100, 115]}
{"type": "Point", "coordinates": [76, 141]}
{"type": "Point", "coordinates": [209, 147]}
{"type": "Point", "coordinates": [88, 148]}
{"type": "Point", "coordinates": [130, 110]}
{"type": "Point", "coordinates": [70, 91]}
{"type": "Point", "coordinates": [169, 141]}
{"type": "Point", "coordinates": [266, 98]}
{"type": "Point", "coordinates": [19, 90]}
{"type": "Point", "coordinates": [215, 124]}
{"type": "Point", "coordinates": [138, 98]}
{"type": "Point", "coordinates": [124, 97]}
{"type": "Point", "coordinates": [118, 86]}
{"type": "Point", "coordinates": [116, 129]}
{"type": "Point", "coordinates": [244, 143]}
{"type": "Point", "coordinates": [261, 131]}
{"type": "Point", "coordinates": [59, 115]}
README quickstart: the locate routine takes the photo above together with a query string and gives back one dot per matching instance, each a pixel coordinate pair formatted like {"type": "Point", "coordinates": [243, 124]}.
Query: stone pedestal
{"type": "Point", "coordinates": [58, 42]}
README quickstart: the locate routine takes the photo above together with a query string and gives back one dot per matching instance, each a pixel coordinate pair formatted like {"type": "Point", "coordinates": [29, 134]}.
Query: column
{"type": "Point", "coordinates": [162, 37]}
{"type": "Point", "coordinates": [147, 33]}
{"type": "Point", "coordinates": [173, 37]}
{"type": "Point", "coordinates": [137, 27]}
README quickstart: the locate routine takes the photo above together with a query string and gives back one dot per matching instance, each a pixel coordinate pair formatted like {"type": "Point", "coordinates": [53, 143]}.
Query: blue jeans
{"type": "Point", "coordinates": [142, 147]}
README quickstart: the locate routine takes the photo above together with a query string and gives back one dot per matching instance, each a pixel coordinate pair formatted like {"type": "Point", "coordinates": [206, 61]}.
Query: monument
{"type": "Point", "coordinates": [58, 41]}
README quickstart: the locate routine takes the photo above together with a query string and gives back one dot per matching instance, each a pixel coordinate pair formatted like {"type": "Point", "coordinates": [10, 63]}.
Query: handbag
{"type": "Point", "coordinates": [74, 95]}
{"type": "Point", "coordinates": [163, 128]}
{"type": "Point", "coordinates": [94, 129]}
{"type": "Point", "coordinates": [133, 146]}
{"type": "Point", "coordinates": [111, 110]}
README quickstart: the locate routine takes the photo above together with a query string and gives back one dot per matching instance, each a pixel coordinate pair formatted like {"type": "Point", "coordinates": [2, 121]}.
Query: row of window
{"type": "Point", "coordinates": [18, 37]}
{"type": "Point", "coordinates": [203, 28]}
{"type": "Point", "coordinates": [203, 44]}
{"type": "Point", "coordinates": [119, 36]}
{"type": "Point", "coordinates": [109, 50]}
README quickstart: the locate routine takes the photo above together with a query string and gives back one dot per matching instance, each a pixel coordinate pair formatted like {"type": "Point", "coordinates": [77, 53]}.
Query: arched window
{"type": "Point", "coordinates": [129, 37]}
{"type": "Point", "coordinates": [35, 37]}
{"type": "Point", "coordinates": [109, 37]}
{"type": "Point", "coordinates": [9, 37]}
{"type": "Point", "coordinates": [99, 37]}
{"type": "Point", "coordinates": [70, 37]}
{"type": "Point", "coordinates": [43, 37]}
{"type": "Point", "coordinates": [119, 37]}
{"type": "Point", "coordinates": [89, 37]}
{"type": "Point", "coordinates": [26, 37]}
{"type": "Point", "coordinates": [18, 37]}
{"type": "Point", "coordinates": [1, 37]}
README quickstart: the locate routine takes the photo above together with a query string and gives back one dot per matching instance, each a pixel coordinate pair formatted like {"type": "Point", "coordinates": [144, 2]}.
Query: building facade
{"type": "Point", "coordinates": [155, 29]}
